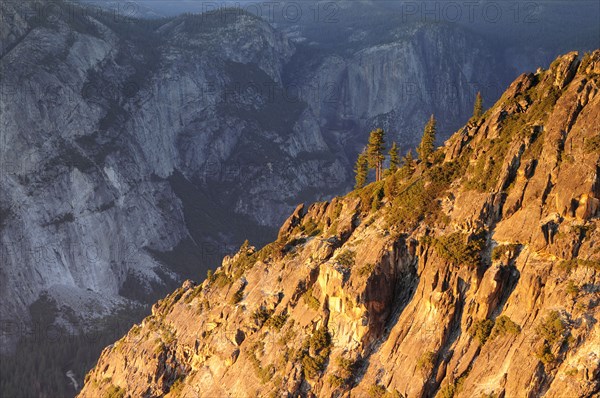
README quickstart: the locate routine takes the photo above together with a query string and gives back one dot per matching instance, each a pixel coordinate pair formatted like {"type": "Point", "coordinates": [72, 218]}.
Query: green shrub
{"type": "Point", "coordinates": [347, 366]}
{"type": "Point", "coordinates": [311, 300]}
{"type": "Point", "coordinates": [346, 258]}
{"type": "Point", "coordinates": [320, 340]}
{"type": "Point", "coordinates": [312, 366]}
{"type": "Point", "coordinates": [426, 361]}
{"type": "Point", "coordinates": [261, 315]}
{"type": "Point", "coordinates": [220, 279]}
{"type": "Point", "coordinates": [592, 145]}
{"type": "Point", "coordinates": [273, 250]}
{"type": "Point", "coordinates": [244, 261]}
{"type": "Point", "coordinates": [114, 392]}
{"type": "Point", "coordinates": [264, 373]}
{"type": "Point", "coordinates": [366, 270]}
{"type": "Point", "coordinates": [552, 328]}
{"type": "Point", "coordinates": [456, 249]}
{"type": "Point", "coordinates": [319, 344]}
{"type": "Point", "coordinates": [369, 195]}
{"type": "Point", "coordinates": [504, 325]}
{"type": "Point", "coordinates": [311, 228]}
{"type": "Point", "coordinates": [499, 252]}
{"type": "Point", "coordinates": [572, 288]}
{"type": "Point", "coordinates": [276, 322]}
{"type": "Point", "coordinates": [482, 329]}
{"type": "Point", "coordinates": [409, 206]}
{"type": "Point", "coordinates": [571, 372]}
{"type": "Point", "coordinates": [344, 372]}
{"type": "Point", "coordinates": [376, 199]}
{"type": "Point", "coordinates": [336, 381]}
{"type": "Point", "coordinates": [570, 265]}
{"type": "Point", "coordinates": [449, 390]}
{"type": "Point", "coordinates": [237, 296]}
{"type": "Point", "coordinates": [377, 391]}
{"type": "Point", "coordinates": [176, 388]}
{"type": "Point", "coordinates": [444, 174]}
{"type": "Point", "coordinates": [544, 353]}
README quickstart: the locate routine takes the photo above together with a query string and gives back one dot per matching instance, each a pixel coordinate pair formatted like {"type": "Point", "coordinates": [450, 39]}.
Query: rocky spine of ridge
{"type": "Point", "coordinates": [477, 276]}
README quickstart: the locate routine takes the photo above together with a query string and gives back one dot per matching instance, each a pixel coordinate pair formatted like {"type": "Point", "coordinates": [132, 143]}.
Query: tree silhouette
{"type": "Point", "coordinates": [361, 169]}
{"type": "Point", "coordinates": [394, 158]}
{"type": "Point", "coordinates": [408, 165]}
{"type": "Point", "coordinates": [375, 152]}
{"type": "Point", "coordinates": [478, 108]}
{"type": "Point", "coordinates": [427, 145]}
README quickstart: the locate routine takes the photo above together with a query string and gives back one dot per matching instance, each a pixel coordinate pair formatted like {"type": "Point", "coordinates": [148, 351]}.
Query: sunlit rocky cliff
{"type": "Point", "coordinates": [476, 276]}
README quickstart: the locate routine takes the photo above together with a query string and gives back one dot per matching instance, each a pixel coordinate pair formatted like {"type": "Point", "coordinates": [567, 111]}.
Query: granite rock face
{"type": "Point", "coordinates": [475, 276]}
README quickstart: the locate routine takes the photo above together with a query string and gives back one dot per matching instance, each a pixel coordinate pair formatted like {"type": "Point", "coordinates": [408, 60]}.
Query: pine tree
{"type": "Point", "coordinates": [408, 165]}
{"type": "Point", "coordinates": [245, 247]}
{"type": "Point", "coordinates": [394, 158]}
{"type": "Point", "coordinates": [375, 152]}
{"type": "Point", "coordinates": [361, 169]}
{"type": "Point", "coordinates": [427, 145]}
{"type": "Point", "coordinates": [478, 108]}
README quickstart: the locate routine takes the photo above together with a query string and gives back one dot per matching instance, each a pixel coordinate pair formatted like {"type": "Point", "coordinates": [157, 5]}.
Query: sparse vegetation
{"type": "Point", "coordinates": [544, 353]}
{"type": "Point", "coordinates": [310, 300]}
{"type": "Point", "coordinates": [220, 279]}
{"type": "Point", "coordinates": [193, 294]}
{"type": "Point", "coordinates": [366, 269]}
{"type": "Point", "coordinates": [426, 361]}
{"type": "Point", "coordinates": [346, 258]}
{"type": "Point", "coordinates": [552, 330]}
{"type": "Point", "coordinates": [460, 249]}
{"type": "Point", "coordinates": [500, 252]}
{"type": "Point", "coordinates": [377, 391]}
{"type": "Point", "coordinates": [261, 315]}
{"type": "Point", "coordinates": [311, 228]}
{"type": "Point", "coordinates": [375, 154]}
{"type": "Point", "coordinates": [264, 373]}
{"type": "Point", "coordinates": [592, 144]}
{"type": "Point", "coordinates": [482, 329]}
{"type": "Point", "coordinates": [343, 374]}
{"type": "Point", "coordinates": [237, 296]}
{"type": "Point", "coordinates": [335, 381]}
{"type": "Point", "coordinates": [427, 145]}
{"type": "Point", "coordinates": [277, 321]}
{"type": "Point", "coordinates": [319, 344]}
{"type": "Point", "coordinates": [504, 325]}
{"type": "Point", "coordinates": [478, 107]}
{"type": "Point", "coordinates": [176, 388]}
{"type": "Point", "coordinates": [572, 288]}
{"type": "Point", "coordinates": [361, 170]}
{"type": "Point", "coordinates": [570, 265]}
{"type": "Point", "coordinates": [450, 389]}
{"type": "Point", "coordinates": [571, 372]}
{"type": "Point", "coordinates": [114, 392]}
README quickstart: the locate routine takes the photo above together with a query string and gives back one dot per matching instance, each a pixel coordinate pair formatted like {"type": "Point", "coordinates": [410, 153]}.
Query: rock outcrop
{"type": "Point", "coordinates": [476, 276]}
